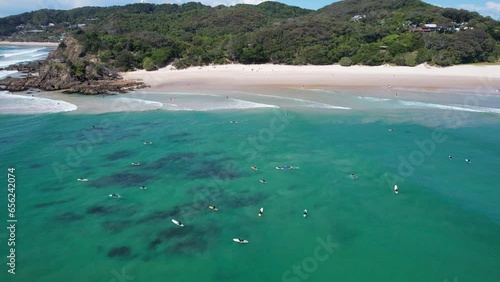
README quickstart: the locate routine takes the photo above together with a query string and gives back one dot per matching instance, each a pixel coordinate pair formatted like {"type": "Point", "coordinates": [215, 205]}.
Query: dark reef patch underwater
{"type": "Point", "coordinates": [450, 205]}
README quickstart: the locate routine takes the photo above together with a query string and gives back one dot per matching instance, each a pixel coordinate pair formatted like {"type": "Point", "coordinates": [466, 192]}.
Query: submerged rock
{"type": "Point", "coordinates": [123, 251]}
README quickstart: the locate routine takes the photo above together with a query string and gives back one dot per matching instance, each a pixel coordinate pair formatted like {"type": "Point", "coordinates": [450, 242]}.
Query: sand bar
{"type": "Point", "coordinates": [238, 77]}
{"type": "Point", "coordinates": [42, 44]}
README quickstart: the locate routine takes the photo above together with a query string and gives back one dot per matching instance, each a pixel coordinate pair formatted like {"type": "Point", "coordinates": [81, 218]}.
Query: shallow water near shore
{"type": "Point", "coordinates": [443, 225]}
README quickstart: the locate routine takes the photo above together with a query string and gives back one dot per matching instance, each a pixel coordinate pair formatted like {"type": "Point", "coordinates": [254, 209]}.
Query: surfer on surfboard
{"type": "Point", "coordinates": [178, 223]}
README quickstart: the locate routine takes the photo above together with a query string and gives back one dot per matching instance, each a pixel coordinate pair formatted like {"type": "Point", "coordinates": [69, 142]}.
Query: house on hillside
{"type": "Point", "coordinates": [421, 29]}
{"type": "Point", "coordinates": [357, 18]}
{"type": "Point", "coordinates": [432, 27]}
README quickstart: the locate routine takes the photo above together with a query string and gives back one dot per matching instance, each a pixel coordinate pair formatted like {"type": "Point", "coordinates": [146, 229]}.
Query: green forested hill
{"type": "Point", "coordinates": [366, 32]}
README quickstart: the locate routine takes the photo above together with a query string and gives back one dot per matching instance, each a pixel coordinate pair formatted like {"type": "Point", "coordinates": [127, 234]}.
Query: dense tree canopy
{"type": "Point", "coordinates": [366, 32]}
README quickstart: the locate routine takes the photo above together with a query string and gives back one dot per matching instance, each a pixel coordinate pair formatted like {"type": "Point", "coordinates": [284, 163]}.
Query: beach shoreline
{"type": "Point", "coordinates": [318, 88]}
{"type": "Point", "coordinates": [241, 77]}
{"type": "Point", "coordinates": [40, 44]}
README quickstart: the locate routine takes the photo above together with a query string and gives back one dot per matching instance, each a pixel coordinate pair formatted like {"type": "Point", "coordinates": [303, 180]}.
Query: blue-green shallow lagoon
{"type": "Point", "coordinates": [443, 225]}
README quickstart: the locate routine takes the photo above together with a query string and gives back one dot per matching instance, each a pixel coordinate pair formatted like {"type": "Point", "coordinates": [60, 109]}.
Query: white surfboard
{"type": "Point", "coordinates": [396, 190]}
{"type": "Point", "coordinates": [237, 240]}
{"type": "Point", "coordinates": [214, 208]}
{"type": "Point", "coordinates": [83, 179]}
{"type": "Point", "coordinates": [178, 223]}
{"type": "Point", "coordinates": [135, 164]}
{"type": "Point", "coordinates": [305, 213]}
{"type": "Point", "coordinates": [261, 211]}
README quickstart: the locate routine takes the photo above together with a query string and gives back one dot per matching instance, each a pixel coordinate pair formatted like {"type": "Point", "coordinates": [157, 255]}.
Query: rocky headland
{"type": "Point", "coordinates": [65, 70]}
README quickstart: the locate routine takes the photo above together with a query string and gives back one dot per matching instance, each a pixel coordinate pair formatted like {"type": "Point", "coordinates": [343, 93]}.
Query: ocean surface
{"type": "Point", "coordinates": [10, 55]}
{"type": "Point", "coordinates": [443, 225]}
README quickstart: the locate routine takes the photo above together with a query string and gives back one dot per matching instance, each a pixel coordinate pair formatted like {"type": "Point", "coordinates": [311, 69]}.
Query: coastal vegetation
{"type": "Point", "coordinates": [367, 32]}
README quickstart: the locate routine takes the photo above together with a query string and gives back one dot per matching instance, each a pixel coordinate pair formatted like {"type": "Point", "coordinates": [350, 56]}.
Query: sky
{"type": "Point", "coordinates": [484, 7]}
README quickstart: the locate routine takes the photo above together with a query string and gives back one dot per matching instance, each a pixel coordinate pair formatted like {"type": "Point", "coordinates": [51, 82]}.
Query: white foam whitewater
{"type": "Point", "coordinates": [18, 104]}
{"type": "Point", "coordinates": [130, 104]}
{"type": "Point", "coordinates": [17, 55]}
{"type": "Point", "coordinates": [313, 104]}
{"type": "Point", "coordinates": [175, 107]}
{"type": "Point", "coordinates": [307, 103]}
{"type": "Point", "coordinates": [233, 104]}
{"type": "Point", "coordinates": [19, 52]}
{"type": "Point", "coordinates": [373, 99]}
{"type": "Point", "coordinates": [475, 109]}
{"type": "Point", "coordinates": [4, 74]}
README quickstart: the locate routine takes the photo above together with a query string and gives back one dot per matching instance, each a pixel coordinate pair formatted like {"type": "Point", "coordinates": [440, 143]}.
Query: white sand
{"type": "Point", "coordinates": [42, 44]}
{"type": "Point", "coordinates": [242, 77]}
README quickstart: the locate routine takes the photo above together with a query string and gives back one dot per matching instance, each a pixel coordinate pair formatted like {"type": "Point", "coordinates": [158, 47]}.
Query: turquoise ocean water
{"type": "Point", "coordinates": [444, 225]}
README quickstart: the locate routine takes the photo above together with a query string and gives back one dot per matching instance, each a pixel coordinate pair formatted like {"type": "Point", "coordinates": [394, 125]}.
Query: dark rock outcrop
{"type": "Point", "coordinates": [63, 70]}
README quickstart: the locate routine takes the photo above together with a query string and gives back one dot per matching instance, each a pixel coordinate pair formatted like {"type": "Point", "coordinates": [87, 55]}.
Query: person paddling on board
{"type": "Point", "coordinates": [305, 212]}
{"type": "Point", "coordinates": [396, 190]}
{"type": "Point", "coordinates": [263, 181]}
{"type": "Point", "coordinates": [450, 157]}
{"type": "Point", "coordinates": [467, 161]}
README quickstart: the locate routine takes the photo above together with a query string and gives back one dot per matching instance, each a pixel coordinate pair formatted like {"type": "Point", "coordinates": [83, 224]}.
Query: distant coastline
{"type": "Point", "coordinates": [41, 44]}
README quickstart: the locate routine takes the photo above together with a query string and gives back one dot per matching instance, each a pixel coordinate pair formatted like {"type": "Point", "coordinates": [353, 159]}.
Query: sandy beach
{"type": "Point", "coordinates": [42, 44]}
{"type": "Point", "coordinates": [240, 77]}
{"type": "Point", "coordinates": [315, 88]}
